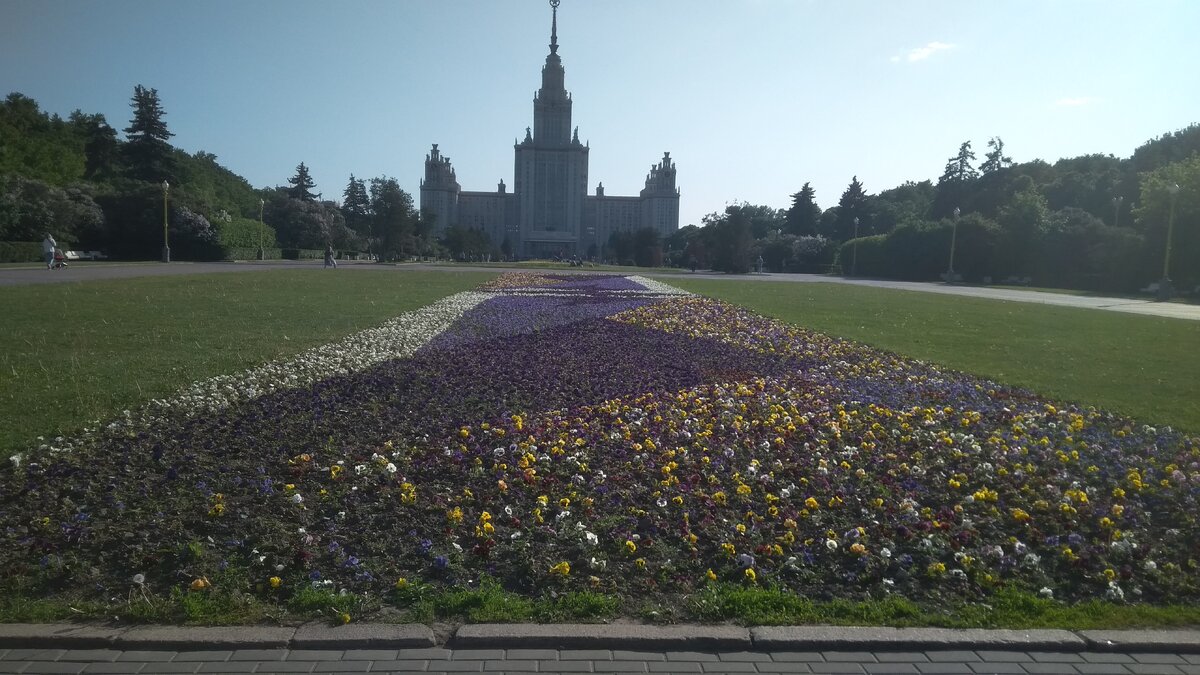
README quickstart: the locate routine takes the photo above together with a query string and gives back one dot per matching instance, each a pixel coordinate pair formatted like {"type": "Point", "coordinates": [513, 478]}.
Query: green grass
{"type": "Point", "coordinates": [488, 603]}
{"type": "Point", "coordinates": [1145, 367]}
{"type": "Point", "coordinates": [74, 353]}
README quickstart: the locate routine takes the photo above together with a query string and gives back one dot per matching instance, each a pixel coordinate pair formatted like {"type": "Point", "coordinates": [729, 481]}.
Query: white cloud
{"type": "Point", "coordinates": [1074, 101]}
{"type": "Point", "coordinates": [922, 53]}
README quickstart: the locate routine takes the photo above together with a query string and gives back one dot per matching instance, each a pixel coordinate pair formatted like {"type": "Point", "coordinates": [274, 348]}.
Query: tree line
{"type": "Point", "coordinates": [1089, 222]}
{"type": "Point", "coordinates": [77, 179]}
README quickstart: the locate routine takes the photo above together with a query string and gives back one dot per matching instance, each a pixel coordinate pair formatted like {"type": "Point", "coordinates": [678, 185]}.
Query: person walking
{"type": "Point", "coordinates": [48, 246]}
{"type": "Point", "coordinates": [329, 261]}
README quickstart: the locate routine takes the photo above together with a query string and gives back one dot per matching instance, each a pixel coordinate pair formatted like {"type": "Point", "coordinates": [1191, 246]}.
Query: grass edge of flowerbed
{"type": "Point", "coordinates": [488, 602]}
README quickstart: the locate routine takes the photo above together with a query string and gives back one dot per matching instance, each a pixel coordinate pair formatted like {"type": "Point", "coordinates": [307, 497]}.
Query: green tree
{"type": "Point", "coordinates": [953, 187]}
{"type": "Point", "coordinates": [995, 159]}
{"type": "Point", "coordinates": [356, 206]}
{"type": "Point", "coordinates": [30, 208]}
{"type": "Point", "coordinates": [853, 204]}
{"type": "Point", "coordinates": [302, 185]}
{"type": "Point", "coordinates": [1154, 216]}
{"type": "Point", "coordinates": [147, 147]}
{"type": "Point", "coordinates": [36, 145]}
{"type": "Point", "coordinates": [393, 217]}
{"type": "Point", "coordinates": [1023, 222]}
{"type": "Point", "coordinates": [100, 144]}
{"type": "Point", "coordinates": [899, 205]}
{"type": "Point", "coordinates": [730, 240]}
{"type": "Point", "coordinates": [804, 215]}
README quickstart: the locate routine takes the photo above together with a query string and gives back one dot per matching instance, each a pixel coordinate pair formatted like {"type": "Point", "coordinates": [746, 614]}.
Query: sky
{"type": "Point", "coordinates": [752, 98]}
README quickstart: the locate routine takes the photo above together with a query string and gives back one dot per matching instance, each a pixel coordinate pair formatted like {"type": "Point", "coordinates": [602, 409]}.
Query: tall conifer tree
{"type": "Point", "coordinates": [148, 149]}
{"type": "Point", "coordinates": [302, 185]}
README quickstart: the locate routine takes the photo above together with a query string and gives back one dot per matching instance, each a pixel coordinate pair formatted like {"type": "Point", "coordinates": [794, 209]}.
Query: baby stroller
{"type": "Point", "coordinates": [60, 261]}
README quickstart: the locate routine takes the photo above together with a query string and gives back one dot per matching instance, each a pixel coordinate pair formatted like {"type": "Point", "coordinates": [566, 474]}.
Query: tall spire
{"type": "Point", "coordinates": [554, 27]}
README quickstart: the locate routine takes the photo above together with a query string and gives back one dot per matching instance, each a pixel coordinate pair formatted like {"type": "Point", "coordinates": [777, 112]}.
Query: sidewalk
{"type": "Point", "coordinates": [600, 648]}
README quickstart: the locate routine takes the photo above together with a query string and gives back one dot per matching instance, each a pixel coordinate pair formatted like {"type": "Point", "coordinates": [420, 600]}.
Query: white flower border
{"type": "Point", "coordinates": [657, 286]}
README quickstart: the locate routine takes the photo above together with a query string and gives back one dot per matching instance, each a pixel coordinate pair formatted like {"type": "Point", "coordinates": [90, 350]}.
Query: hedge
{"type": "Point", "coordinates": [21, 251]}
{"type": "Point", "coordinates": [242, 253]}
{"type": "Point", "coordinates": [302, 254]}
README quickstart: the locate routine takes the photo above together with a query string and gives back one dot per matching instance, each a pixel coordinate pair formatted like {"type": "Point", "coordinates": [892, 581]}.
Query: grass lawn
{"type": "Point", "coordinates": [1146, 367]}
{"type": "Point", "coordinates": [78, 352]}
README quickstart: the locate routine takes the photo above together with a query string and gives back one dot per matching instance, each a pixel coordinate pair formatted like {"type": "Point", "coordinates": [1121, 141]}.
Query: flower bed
{"type": "Point", "coordinates": [615, 434]}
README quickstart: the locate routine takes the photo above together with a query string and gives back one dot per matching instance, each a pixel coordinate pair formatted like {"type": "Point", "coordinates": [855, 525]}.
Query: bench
{"type": "Point", "coordinates": [84, 255]}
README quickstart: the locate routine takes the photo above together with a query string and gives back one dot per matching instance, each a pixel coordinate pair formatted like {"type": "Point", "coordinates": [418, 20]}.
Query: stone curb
{"type": "Point", "coordinates": [204, 637]}
{"type": "Point", "coordinates": [57, 635]}
{"type": "Point", "coordinates": [308, 636]}
{"type": "Point", "coordinates": [857, 638]}
{"type": "Point", "coordinates": [593, 636]}
{"type": "Point", "coordinates": [1180, 641]}
{"type": "Point", "coordinates": [363, 635]}
{"type": "Point", "coordinates": [601, 636]}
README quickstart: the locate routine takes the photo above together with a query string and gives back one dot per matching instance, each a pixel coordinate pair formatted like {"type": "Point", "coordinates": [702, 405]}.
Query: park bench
{"type": "Point", "coordinates": [84, 255]}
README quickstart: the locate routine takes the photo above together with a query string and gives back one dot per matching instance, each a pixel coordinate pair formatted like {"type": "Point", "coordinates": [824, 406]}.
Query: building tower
{"type": "Point", "coordinates": [439, 190]}
{"type": "Point", "coordinates": [660, 198]}
{"type": "Point", "coordinates": [551, 166]}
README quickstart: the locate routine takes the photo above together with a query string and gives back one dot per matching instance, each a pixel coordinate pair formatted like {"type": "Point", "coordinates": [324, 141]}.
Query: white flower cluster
{"type": "Point", "coordinates": [657, 286]}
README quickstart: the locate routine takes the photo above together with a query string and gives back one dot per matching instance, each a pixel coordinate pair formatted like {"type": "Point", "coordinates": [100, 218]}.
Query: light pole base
{"type": "Point", "coordinates": [166, 254]}
{"type": "Point", "coordinates": [262, 255]}
{"type": "Point", "coordinates": [1165, 290]}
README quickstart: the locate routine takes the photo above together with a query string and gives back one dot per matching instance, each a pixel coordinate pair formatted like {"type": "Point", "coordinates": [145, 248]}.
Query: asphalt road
{"type": "Point", "coordinates": [93, 271]}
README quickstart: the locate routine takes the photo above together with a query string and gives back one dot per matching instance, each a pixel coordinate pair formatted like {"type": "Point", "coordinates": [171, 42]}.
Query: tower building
{"type": "Point", "coordinates": [549, 212]}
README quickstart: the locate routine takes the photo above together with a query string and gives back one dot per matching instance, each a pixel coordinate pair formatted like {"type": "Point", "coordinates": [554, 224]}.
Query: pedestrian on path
{"type": "Point", "coordinates": [329, 261]}
{"type": "Point", "coordinates": [48, 246]}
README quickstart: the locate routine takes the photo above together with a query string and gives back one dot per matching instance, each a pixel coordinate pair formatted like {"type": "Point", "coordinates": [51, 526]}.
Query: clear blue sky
{"type": "Point", "coordinates": [752, 98]}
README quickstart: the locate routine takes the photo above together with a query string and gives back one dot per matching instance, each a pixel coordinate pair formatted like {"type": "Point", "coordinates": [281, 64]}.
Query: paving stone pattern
{"type": "Point", "coordinates": [438, 660]}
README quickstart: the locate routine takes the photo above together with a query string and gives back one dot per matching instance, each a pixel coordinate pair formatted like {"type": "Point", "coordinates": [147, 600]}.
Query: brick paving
{"type": "Point", "coordinates": [439, 660]}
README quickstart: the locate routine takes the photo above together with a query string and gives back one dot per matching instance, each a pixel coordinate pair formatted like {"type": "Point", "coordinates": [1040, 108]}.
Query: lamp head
{"type": "Point", "coordinates": [1173, 188]}
{"type": "Point", "coordinates": [165, 185]}
{"type": "Point", "coordinates": [957, 211]}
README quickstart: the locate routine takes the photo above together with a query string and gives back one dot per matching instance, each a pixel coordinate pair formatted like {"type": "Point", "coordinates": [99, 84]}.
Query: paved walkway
{"type": "Point", "coordinates": [88, 271]}
{"type": "Point", "coordinates": [441, 660]}
{"type": "Point", "coordinates": [589, 648]}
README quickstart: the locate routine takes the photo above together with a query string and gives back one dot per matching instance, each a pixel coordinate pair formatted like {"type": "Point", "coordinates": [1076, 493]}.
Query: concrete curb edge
{"type": "Point", "coordinates": [594, 636]}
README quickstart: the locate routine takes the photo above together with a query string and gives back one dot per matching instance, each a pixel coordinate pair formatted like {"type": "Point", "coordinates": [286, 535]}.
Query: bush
{"type": "Point", "coordinates": [301, 254]}
{"type": "Point", "coordinates": [245, 233]}
{"type": "Point", "coordinates": [869, 260]}
{"type": "Point", "coordinates": [920, 251]}
{"type": "Point", "coordinates": [21, 251]}
{"type": "Point", "coordinates": [243, 253]}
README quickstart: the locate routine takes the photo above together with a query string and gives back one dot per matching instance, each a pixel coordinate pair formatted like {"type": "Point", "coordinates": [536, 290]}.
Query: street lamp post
{"type": "Point", "coordinates": [1165, 291]}
{"type": "Point", "coordinates": [1116, 202]}
{"type": "Point", "coordinates": [261, 253]}
{"type": "Point", "coordinates": [953, 241]}
{"type": "Point", "coordinates": [166, 252]}
{"type": "Point", "coordinates": [854, 251]}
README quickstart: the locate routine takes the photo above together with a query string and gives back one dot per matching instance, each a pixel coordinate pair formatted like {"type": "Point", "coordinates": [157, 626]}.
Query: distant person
{"type": "Point", "coordinates": [692, 263]}
{"type": "Point", "coordinates": [48, 246]}
{"type": "Point", "coordinates": [329, 261]}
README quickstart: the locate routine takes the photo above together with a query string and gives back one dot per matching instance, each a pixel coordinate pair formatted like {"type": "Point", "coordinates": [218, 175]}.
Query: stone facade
{"type": "Point", "coordinates": [549, 212]}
